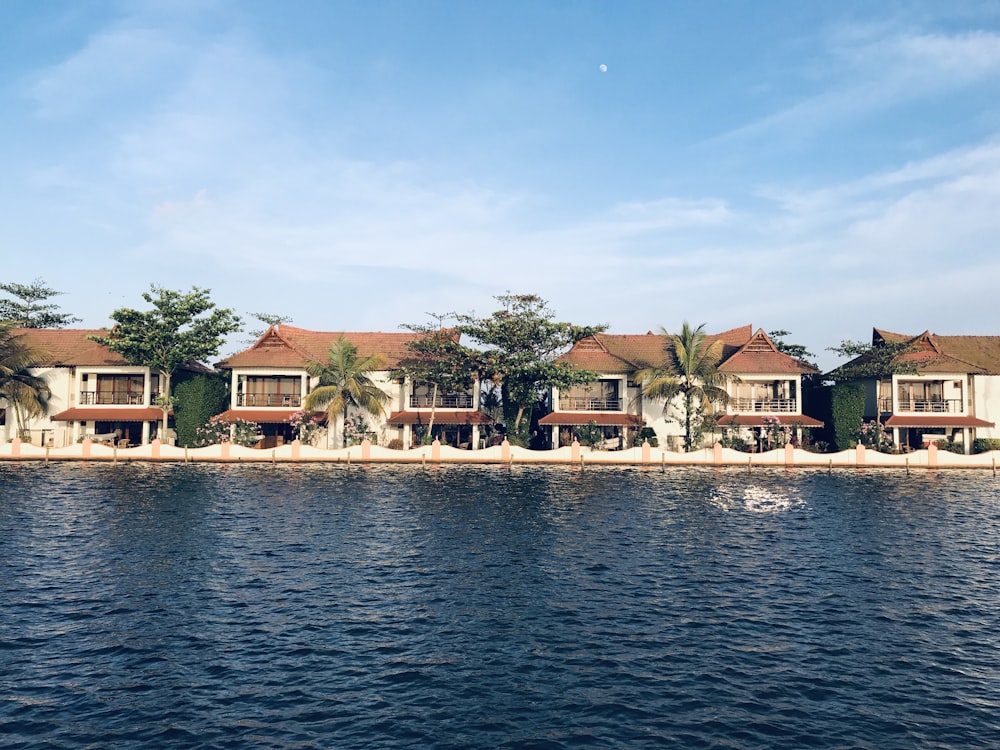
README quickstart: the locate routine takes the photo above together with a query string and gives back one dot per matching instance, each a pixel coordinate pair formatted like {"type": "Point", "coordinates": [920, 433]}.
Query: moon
{"type": "Point", "coordinates": [603, 68]}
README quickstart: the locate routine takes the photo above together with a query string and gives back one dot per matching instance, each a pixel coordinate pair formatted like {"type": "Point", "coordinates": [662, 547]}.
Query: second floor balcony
{"type": "Point", "coordinates": [113, 398]}
{"type": "Point", "coordinates": [589, 403]}
{"type": "Point", "coordinates": [764, 405]}
{"type": "Point", "coordinates": [442, 401]}
{"type": "Point", "coordinates": [922, 406]}
{"type": "Point", "coordinates": [286, 400]}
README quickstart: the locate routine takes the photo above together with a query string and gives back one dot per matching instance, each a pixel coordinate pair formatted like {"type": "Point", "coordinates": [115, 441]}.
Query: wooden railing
{"type": "Point", "coordinates": [772, 405]}
{"type": "Point", "coordinates": [443, 401]}
{"type": "Point", "coordinates": [114, 398]}
{"type": "Point", "coordinates": [583, 403]}
{"type": "Point", "coordinates": [286, 400]}
{"type": "Point", "coordinates": [923, 406]}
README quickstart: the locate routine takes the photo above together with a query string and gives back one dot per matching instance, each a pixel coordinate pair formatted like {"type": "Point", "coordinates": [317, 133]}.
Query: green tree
{"type": "Point", "coordinates": [868, 361]}
{"type": "Point", "coordinates": [690, 370]}
{"type": "Point", "coordinates": [345, 382]}
{"type": "Point", "coordinates": [268, 320]}
{"type": "Point", "coordinates": [25, 393]}
{"type": "Point", "coordinates": [181, 329]}
{"type": "Point", "coordinates": [27, 306]}
{"type": "Point", "coordinates": [438, 358]}
{"type": "Point", "coordinates": [522, 342]}
{"type": "Point", "coordinates": [196, 400]}
{"type": "Point", "coordinates": [792, 350]}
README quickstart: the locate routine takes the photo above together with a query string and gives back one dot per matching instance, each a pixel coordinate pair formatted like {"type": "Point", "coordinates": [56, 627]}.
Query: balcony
{"type": "Point", "coordinates": [767, 405]}
{"type": "Point", "coordinates": [286, 400]}
{"type": "Point", "coordinates": [585, 403]}
{"type": "Point", "coordinates": [928, 406]}
{"type": "Point", "coordinates": [443, 401]}
{"type": "Point", "coordinates": [110, 398]}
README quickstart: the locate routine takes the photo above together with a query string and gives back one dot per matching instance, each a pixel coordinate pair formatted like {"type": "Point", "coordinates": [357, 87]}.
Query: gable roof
{"type": "Point", "coordinates": [931, 352]}
{"type": "Point", "coordinates": [285, 346]}
{"type": "Point", "coordinates": [70, 347]}
{"type": "Point", "coordinates": [743, 352]}
{"type": "Point", "coordinates": [760, 356]}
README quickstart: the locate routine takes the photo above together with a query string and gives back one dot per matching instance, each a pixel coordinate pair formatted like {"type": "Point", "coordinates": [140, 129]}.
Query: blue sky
{"type": "Point", "coordinates": [821, 167]}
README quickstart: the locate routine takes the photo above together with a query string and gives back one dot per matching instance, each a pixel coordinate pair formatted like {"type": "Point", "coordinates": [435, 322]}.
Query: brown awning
{"type": "Point", "coordinates": [265, 416]}
{"type": "Point", "coordinates": [602, 419]}
{"type": "Point", "coordinates": [109, 414]}
{"type": "Point", "coordinates": [440, 417]}
{"type": "Point", "coordinates": [757, 420]}
{"type": "Point", "coordinates": [897, 420]}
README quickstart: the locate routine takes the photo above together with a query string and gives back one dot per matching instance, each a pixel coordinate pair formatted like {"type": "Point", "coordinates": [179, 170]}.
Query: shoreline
{"type": "Point", "coordinates": [365, 453]}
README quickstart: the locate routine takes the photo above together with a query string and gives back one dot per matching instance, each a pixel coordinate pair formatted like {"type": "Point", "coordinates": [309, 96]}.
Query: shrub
{"type": "Point", "coordinates": [196, 400]}
{"type": "Point", "coordinates": [218, 431]}
{"type": "Point", "coordinates": [589, 434]}
{"type": "Point", "coordinates": [984, 445]}
{"type": "Point", "coordinates": [847, 412]}
{"type": "Point", "coordinates": [646, 433]}
{"type": "Point", "coordinates": [950, 445]}
{"type": "Point", "coordinates": [396, 444]}
{"type": "Point", "coordinates": [872, 434]}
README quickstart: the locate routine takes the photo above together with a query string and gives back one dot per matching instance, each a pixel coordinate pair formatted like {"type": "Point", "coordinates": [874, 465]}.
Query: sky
{"type": "Point", "coordinates": [818, 167]}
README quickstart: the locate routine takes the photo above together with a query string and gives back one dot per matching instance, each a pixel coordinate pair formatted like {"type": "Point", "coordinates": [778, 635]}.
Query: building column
{"type": "Point", "coordinates": [475, 437]}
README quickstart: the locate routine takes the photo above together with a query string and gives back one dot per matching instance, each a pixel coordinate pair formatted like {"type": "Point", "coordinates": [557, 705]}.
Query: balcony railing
{"type": "Point", "coordinates": [929, 406]}
{"type": "Point", "coordinates": [767, 405]}
{"type": "Point", "coordinates": [286, 400]}
{"type": "Point", "coordinates": [584, 403]}
{"type": "Point", "coordinates": [114, 398]}
{"type": "Point", "coordinates": [448, 401]}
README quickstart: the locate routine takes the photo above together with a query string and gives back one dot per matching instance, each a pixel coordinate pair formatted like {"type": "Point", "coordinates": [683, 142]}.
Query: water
{"type": "Point", "coordinates": [172, 606]}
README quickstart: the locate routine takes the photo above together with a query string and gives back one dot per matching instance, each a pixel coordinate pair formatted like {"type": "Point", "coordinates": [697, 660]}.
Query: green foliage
{"type": "Point", "coordinates": [689, 370]}
{"type": "Point", "coordinates": [950, 445]}
{"type": "Point", "coordinates": [872, 434]}
{"type": "Point", "coordinates": [793, 350]}
{"type": "Point", "coordinates": [984, 445]}
{"type": "Point", "coordinates": [522, 342]}
{"type": "Point", "coordinates": [847, 412]}
{"type": "Point", "coordinates": [268, 320]}
{"type": "Point", "coordinates": [306, 426]}
{"type": "Point", "coordinates": [196, 400]}
{"type": "Point", "coordinates": [237, 431]}
{"type": "Point", "coordinates": [644, 434]}
{"type": "Point", "coordinates": [180, 329]}
{"type": "Point", "coordinates": [871, 360]}
{"type": "Point", "coordinates": [345, 382]}
{"type": "Point", "coordinates": [26, 394]}
{"type": "Point", "coordinates": [26, 306]}
{"type": "Point", "coordinates": [590, 434]}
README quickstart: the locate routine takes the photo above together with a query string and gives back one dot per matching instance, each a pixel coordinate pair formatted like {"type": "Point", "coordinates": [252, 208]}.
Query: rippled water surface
{"type": "Point", "coordinates": [171, 606]}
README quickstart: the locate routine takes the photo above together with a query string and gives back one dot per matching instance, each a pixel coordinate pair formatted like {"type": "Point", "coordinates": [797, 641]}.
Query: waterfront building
{"type": "Point", "coordinates": [948, 390]}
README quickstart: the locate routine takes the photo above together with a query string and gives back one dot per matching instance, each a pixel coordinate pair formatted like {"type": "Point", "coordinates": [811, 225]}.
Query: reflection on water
{"type": "Point", "coordinates": [172, 606]}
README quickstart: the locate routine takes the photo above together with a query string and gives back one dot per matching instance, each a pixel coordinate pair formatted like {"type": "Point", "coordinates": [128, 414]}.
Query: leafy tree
{"type": "Point", "coordinates": [27, 306]}
{"type": "Point", "coordinates": [792, 350]}
{"type": "Point", "coordinates": [522, 342]}
{"type": "Point", "coordinates": [196, 400]}
{"type": "Point", "coordinates": [437, 357]}
{"type": "Point", "coordinates": [26, 393]}
{"type": "Point", "coordinates": [691, 370]}
{"type": "Point", "coordinates": [268, 320]}
{"type": "Point", "coordinates": [181, 329]}
{"type": "Point", "coordinates": [345, 382]}
{"type": "Point", "coordinates": [877, 361]}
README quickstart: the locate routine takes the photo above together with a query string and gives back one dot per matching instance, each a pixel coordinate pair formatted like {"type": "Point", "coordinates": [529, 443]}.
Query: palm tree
{"type": "Point", "coordinates": [345, 382]}
{"type": "Point", "coordinates": [27, 394]}
{"type": "Point", "coordinates": [690, 370]}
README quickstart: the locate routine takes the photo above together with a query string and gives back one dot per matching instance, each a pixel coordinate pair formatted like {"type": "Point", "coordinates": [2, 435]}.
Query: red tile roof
{"type": "Point", "coordinates": [69, 347]}
{"type": "Point", "coordinates": [934, 353]}
{"type": "Point", "coordinates": [760, 356]}
{"type": "Point", "coordinates": [440, 417]}
{"type": "Point", "coordinates": [285, 346]}
{"type": "Point", "coordinates": [897, 420]}
{"type": "Point", "coordinates": [109, 414]}
{"type": "Point", "coordinates": [601, 419]}
{"type": "Point", "coordinates": [757, 420]}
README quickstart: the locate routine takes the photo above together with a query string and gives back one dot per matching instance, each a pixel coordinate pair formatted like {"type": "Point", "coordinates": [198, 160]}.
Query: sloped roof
{"type": "Point", "coordinates": [286, 346]}
{"type": "Point", "coordinates": [760, 356]}
{"type": "Point", "coordinates": [749, 353]}
{"type": "Point", "coordinates": [69, 347]}
{"type": "Point", "coordinates": [933, 352]}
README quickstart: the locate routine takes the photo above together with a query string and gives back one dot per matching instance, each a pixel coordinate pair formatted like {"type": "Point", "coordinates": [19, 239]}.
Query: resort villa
{"type": "Point", "coordinates": [949, 389]}
{"type": "Point", "coordinates": [764, 384]}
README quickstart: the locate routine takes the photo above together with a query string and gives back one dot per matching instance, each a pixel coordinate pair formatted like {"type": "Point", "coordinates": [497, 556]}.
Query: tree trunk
{"type": "Point", "coordinates": [165, 396]}
{"type": "Point", "coordinates": [434, 398]}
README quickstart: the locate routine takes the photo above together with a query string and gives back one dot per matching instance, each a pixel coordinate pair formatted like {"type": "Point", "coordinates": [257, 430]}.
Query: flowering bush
{"type": "Point", "coordinates": [777, 435]}
{"type": "Point", "coordinates": [872, 434]}
{"type": "Point", "coordinates": [305, 425]}
{"type": "Point", "coordinates": [238, 431]}
{"type": "Point", "coordinates": [356, 429]}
